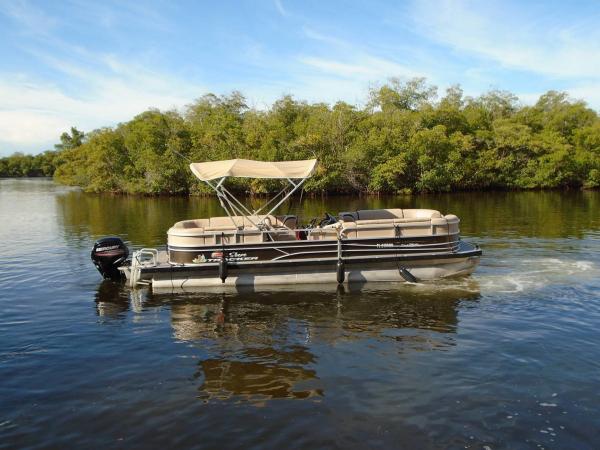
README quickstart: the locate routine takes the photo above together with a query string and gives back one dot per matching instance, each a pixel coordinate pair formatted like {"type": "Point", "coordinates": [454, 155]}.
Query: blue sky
{"type": "Point", "coordinates": [93, 64]}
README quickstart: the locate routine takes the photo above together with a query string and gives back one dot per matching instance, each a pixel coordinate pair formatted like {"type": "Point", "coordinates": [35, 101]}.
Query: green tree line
{"type": "Point", "coordinates": [43, 164]}
{"type": "Point", "coordinates": [21, 165]}
{"type": "Point", "coordinates": [405, 138]}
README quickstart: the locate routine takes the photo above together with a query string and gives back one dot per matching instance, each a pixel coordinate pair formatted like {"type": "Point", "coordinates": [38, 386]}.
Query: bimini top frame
{"type": "Point", "coordinates": [214, 173]}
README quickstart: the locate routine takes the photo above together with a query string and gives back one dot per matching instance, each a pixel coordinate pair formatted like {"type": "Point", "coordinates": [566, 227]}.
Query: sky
{"type": "Point", "coordinates": [94, 64]}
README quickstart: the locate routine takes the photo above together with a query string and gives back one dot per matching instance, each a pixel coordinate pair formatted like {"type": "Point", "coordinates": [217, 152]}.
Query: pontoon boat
{"type": "Point", "coordinates": [258, 247]}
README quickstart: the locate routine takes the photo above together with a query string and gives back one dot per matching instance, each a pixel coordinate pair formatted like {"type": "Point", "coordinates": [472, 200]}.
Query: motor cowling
{"type": "Point", "coordinates": [108, 254]}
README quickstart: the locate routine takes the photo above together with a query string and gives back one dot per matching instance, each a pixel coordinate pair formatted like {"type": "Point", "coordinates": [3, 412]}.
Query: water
{"type": "Point", "coordinates": [508, 358]}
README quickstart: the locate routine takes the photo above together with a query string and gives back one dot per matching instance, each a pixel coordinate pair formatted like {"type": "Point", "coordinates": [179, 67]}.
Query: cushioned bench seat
{"type": "Point", "coordinates": [396, 222]}
{"type": "Point", "coordinates": [234, 229]}
{"type": "Point", "coordinates": [386, 214]}
{"type": "Point", "coordinates": [237, 222]}
{"type": "Point", "coordinates": [389, 221]}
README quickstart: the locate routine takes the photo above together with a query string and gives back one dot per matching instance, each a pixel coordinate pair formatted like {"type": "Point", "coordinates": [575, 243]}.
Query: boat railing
{"type": "Point", "coordinates": [141, 259]}
{"type": "Point", "coordinates": [147, 257]}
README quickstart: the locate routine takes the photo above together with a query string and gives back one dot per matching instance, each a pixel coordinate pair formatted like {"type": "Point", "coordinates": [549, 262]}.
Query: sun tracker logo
{"type": "Point", "coordinates": [231, 256]}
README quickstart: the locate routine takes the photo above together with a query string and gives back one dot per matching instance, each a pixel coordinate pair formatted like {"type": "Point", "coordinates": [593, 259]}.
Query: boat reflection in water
{"type": "Point", "coordinates": [267, 374]}
{"type": "Point", "coordinates": [112, 301]}
{"type": "Point", "coordinates": [262, 345]}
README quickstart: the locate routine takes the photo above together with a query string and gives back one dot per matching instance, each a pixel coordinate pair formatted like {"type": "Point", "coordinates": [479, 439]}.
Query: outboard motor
{"type": "Point", "coordinates": [108, 254]}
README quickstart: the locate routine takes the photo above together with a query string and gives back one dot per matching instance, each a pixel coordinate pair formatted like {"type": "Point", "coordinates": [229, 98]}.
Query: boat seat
{"type": "Point", "coordinates": [421, 223]}
{"type": "Point", "coordinates": [280, 221]}
{"type": "Point", "coordinates": [218, 222]}
{"type": "Point", "coordinates": [191, 224]}
{"type": "Point", "coordinates": [370, 223]}
{"type": "Point", "coordinates": [222, 228]}
{"type": "Point", "coordinates": [287, 221]}
{"type": "Point", "coordinates": [319, 234]}
{"type": "Point", "coordinates": [375, 214]}
{"type": "Point", "coordinates": [241, 222]}
{"type": "Point", "coordinates": [208, 231]}
{"type": "Point", "coordinates": [372, 228]}
{"type": "Point", "coordinates": [389, 221]}
{"type": "Point", "coordinates": [347, 216]}
{"type": "Point", "coordinates": [388, 214]}
{"type": "Point", "coordinates": [371, 214]}
{"type": "Point", "coordinates": [421, 214]}
{"type": "Point", "coordinates": [280, 234]}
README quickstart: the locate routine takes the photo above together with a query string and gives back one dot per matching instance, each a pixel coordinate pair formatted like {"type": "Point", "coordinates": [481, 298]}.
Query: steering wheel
{"type": "Point", "coordinates": [328, 220]}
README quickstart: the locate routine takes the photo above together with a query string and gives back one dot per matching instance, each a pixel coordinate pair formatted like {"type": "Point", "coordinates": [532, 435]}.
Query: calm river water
{"type": "Point", "coordinates": [508, 358]}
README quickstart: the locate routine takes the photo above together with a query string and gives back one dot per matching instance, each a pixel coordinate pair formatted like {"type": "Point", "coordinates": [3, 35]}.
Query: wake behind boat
{"type": "Point", "coordinates": [257, 247]}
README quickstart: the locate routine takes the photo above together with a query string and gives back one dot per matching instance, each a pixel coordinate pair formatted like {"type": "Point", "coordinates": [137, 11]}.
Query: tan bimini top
{"type": "Point", "coordinates": [247, 168]}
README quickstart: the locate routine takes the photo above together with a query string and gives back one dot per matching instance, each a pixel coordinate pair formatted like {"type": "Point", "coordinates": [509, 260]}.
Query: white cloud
{"type": "Point", "coordinates": [32, 20]}
{"type": "Point", "coordinates": [518, 39]}
{"type": "Point", "coordinates": [37, 112]}
{"type": "Point", "coordinates": [280, 8]}
{"type": "Point", "coordinates": [316, 88]}
{"type": "Point", "coordinates": [98, 89]}
{"type": "Point", "coordinates": [355, 63]}
{"type": "Point", "coordinates": [588, 92]}
{"type": "Point", "coordinates": [330, 40]}
{"type": "Point", "coordinates": [362, 67]}
{"type": "Point", "coordinates": [25, 129]}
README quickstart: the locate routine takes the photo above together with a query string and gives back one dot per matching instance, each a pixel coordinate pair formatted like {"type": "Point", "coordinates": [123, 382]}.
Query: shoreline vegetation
{"type": "Point", "coordinates": [405, 139]}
